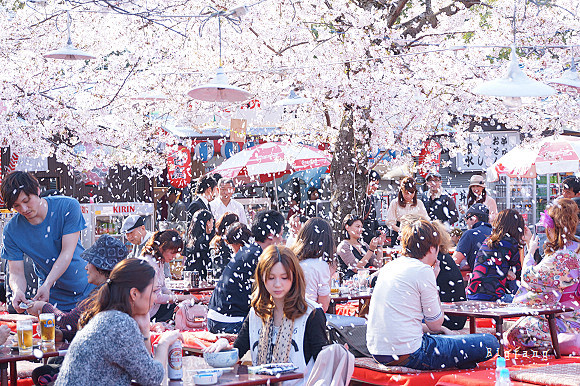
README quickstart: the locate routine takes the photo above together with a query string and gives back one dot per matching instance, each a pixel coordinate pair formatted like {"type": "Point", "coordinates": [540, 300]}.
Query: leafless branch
{"type": "Point", "coordinates": [120, 88]}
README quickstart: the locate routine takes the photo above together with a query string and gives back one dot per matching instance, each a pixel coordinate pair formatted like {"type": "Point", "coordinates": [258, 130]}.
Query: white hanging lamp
{"type": "Point", "coordinates": [514, 85]}
{"type": "Point", "coordinates": [219, 90]}
{"type": "Point", "coordinates": [293, 99]}
{"type": "Point", "coordinates": [569, 82]}
{"type": "Point", "coordinates": [69, 52]}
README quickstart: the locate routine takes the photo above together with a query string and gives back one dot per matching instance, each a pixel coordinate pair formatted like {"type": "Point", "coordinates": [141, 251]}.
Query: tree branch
{"type": "Point", "coordinates": [120, 88]}
{"type": "Point", "coordinates": [395, 13]}
{"type": "Point", "coordinates": [415, 25]}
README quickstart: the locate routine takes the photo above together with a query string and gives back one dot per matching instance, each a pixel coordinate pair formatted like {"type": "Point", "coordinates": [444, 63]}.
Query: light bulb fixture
{"type": "Point", "coordinates": [514, 84]}
{"type": "Point", "coordinates": [238, 11]}
{"type": "Point", "coordinates": [219, 90]}
{"type": "Point", "coordinates": [69, 52]}
{"type": "Point", "coordinates": [569, 82]}
{"type": "Point", "coordinates": [512, 102]}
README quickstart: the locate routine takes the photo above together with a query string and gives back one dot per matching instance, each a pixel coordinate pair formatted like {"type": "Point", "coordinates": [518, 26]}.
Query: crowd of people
{"type": "Point", "coordinates": [273, 291]}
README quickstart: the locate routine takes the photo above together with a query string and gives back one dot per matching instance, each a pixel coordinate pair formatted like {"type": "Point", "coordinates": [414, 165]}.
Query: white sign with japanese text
{"type": "Point", "coordinates": [484, 149]}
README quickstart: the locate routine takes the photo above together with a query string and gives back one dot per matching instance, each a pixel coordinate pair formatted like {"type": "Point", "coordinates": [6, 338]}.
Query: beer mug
{"type": "Point", "coordinates": [46, 324]}
{"type": "Point", "coordinates": [24, 332]}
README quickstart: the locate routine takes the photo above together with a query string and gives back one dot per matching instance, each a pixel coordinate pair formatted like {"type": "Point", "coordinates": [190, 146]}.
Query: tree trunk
{"type": "Point", "coordinates": [348, 174]}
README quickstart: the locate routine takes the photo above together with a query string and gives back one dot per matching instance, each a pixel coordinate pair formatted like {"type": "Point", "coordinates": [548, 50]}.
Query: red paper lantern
{"type": "Point", "coordinates": [179, 167]}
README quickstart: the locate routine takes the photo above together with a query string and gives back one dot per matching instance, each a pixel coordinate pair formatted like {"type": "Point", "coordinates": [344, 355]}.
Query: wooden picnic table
{"type": "Point", "coordinates": [10, 356]}
{"type": "Point", "coordinates": [474, 309]}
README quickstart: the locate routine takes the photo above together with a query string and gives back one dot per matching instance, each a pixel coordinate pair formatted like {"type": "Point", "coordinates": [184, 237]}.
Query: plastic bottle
{"type": "Point", "coordinates": [499, 364]}
{"type": "Point", "coordinates": [504, 378]}
{"type": "Point", "coordinates": [175, 361]}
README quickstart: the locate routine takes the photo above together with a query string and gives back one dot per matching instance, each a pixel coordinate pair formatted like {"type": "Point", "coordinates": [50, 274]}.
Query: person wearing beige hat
{"type": "Point", "coordinates": [478, 195]}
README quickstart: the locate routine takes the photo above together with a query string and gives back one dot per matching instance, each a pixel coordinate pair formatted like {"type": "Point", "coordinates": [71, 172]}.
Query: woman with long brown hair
{"type": "Point", "coordinates": [315, 249]}
{"type": "Point", "coordinates": [113, 346]}
{"type": "Point", "coordinates": [405, 204]}
{"type": "Point", "coordinates": [553, 281]}
{"type": "Point", "coordinates": [282, 325]}
{"type": "Point", "coordinates": [497, 263]}
{"type": "Point", "coordinates": [163, 247]}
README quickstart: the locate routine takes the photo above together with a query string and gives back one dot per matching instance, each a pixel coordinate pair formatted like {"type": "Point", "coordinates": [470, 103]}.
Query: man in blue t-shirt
{"type": "Point", "coordinates": [48, 230]}
{"type": "Point", "coordinates": [230, 301]}
{"type": "Point", "coordinates": [476, 218]}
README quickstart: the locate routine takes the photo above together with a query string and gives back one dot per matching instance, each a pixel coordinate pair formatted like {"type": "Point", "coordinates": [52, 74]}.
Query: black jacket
{"type": "Point", "coordinates": [196, 204]}
{"type": "Point", "coordinates": [442, 208]}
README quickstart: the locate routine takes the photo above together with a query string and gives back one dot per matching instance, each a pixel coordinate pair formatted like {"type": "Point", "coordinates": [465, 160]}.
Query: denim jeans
{"type": "Point", "coordinates": [222, 327]}
{"type": "Point", "coordinates": [447, 351]}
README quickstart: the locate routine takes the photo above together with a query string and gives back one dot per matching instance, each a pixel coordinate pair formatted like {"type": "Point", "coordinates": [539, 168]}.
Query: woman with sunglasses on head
{"type": "Point", "coordinates": [282, 325]}
{"type": "Point", "coordinates": [163, 247]}
{"type": "Point", "coordinates": [113, 346]}
{"type": "Point", "coordinates": [553, 282]}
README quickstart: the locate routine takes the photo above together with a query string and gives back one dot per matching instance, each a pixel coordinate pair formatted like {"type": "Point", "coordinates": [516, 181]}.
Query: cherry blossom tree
{"type": "Point", "coordinates": [383, 75]}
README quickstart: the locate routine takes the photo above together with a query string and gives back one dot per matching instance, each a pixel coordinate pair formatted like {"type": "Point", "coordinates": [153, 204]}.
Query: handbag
{"type": "Point", "coordinates": [190, 315]}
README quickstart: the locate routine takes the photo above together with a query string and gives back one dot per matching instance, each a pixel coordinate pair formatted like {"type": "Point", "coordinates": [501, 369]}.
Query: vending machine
{"type": "Point", "coordinates": [107, 219]}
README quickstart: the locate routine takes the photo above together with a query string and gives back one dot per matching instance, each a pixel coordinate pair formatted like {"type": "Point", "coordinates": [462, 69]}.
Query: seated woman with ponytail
{"type": "Point", "coordinates": [113, 346]}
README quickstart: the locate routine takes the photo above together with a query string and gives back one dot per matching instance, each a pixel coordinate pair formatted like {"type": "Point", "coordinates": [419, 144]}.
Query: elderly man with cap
{"type": "Point", "coordinates": [439, 205]}
{"type": "Point", "coordinates": [101, 257]}
{"type": "Point", "coordinates": [134, 229]}
{"type": "Point", "coordinates": [477, 219]}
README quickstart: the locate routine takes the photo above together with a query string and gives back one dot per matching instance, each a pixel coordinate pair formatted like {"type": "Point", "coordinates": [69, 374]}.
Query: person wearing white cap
{"type": "Point", "coordinates": [134, 229]}
{"type": "Point", "coordinates": [478, 195]}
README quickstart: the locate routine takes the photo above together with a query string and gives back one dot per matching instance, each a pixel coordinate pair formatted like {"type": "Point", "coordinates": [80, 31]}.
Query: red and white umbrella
{"type": "Point", "coordinates": [552, 155]}
{"type": "Point", "coordinates": [272, 160]}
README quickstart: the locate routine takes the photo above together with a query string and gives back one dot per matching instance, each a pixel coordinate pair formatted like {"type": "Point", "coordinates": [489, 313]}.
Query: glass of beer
{"type": "Point", "coordinates": [24, 332]}
{"type": "Point", "coordinates": [46, 323]}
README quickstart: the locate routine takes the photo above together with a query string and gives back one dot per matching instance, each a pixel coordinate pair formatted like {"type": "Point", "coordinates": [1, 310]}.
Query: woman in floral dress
{"type": "Point", "coordinates": [552, 281]}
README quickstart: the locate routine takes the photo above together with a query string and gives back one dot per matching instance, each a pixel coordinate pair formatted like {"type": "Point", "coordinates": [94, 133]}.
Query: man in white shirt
{"type": "Point", "coordinates": [404, 297]}
{"type": "Point", "coordinates": [225, 203]}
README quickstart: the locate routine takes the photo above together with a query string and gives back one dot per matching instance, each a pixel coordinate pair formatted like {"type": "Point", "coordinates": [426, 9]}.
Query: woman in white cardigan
{"type": "Point", "coordinates": [405, 204]}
